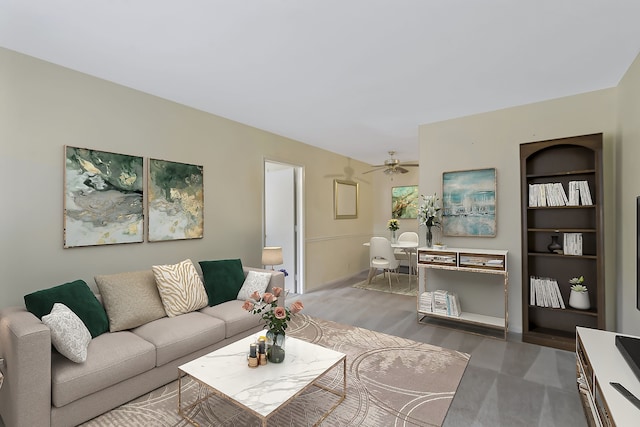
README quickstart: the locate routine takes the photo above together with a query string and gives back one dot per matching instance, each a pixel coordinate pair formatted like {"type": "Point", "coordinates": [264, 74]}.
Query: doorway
{"type": "Point", "coordinates": [283, 219]}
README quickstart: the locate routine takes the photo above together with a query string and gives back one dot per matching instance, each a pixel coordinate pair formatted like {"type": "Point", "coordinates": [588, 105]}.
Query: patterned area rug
{"type": "Point", "coordinates": [399, 285]}
{"type": "Point", "coordinates": [391, 381]}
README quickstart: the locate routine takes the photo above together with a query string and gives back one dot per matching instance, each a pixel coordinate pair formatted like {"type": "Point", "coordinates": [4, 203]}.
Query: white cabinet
{"type": "Point", "coordinates": [599, 362]}
{"type": "Point", "coordinates": [482, 261]}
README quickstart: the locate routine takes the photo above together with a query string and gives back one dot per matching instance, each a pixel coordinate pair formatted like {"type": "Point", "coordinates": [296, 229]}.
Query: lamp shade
{"type": "Point", "coordinates": [272, 255]}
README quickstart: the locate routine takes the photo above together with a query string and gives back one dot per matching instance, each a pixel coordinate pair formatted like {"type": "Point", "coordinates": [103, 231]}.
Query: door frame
{"type": "Point", "coordinates": [299, 226]}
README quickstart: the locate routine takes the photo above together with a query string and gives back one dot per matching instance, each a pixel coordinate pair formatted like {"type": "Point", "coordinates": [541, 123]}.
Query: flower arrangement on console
{"type": "Point", "coordinates": [275, 318]}
{"type": "Point", "coordinates": [393, 225]}
{"type": "Point", "coordinates": [429, 215]}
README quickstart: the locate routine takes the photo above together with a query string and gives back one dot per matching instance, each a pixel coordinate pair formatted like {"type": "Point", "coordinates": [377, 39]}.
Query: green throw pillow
{"type": "Point", "coordinates": [222, 279]}
{"type": "Point", "coordinates": [75, 295]}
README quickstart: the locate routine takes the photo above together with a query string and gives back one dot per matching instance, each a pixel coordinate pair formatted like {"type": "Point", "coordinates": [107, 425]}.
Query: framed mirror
{"type": "Point", "coordinates": [345, 199]}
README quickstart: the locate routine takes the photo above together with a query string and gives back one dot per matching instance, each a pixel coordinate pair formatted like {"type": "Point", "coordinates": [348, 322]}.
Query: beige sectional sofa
{"type": "Point", "coordinates": [44, 388]}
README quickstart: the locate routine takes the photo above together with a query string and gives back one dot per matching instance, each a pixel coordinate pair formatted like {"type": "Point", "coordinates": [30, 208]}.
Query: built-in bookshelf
{"type": "Point", "coordinates": [445, 308]}
{"type": "Point", "coordinates": [562, 236]}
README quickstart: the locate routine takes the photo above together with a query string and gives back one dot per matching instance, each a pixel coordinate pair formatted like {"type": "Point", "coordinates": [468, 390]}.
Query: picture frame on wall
{"type": "Point", "coordinates": [404, 202]}
{"type": "Point", "coordinates": [345, 199]}
{"type": "Point", "coordinates": [103, 198]}
{"type": "Point", "coordinates": [175, 201]}
{"type": "Point", "coordinates": [469, 203]}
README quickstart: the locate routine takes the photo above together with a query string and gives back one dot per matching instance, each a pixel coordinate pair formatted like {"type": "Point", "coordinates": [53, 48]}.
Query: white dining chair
{"type": "Point", "coordinates": [407, 253]}
{"type": "Point", "coordinates": [381, 257]}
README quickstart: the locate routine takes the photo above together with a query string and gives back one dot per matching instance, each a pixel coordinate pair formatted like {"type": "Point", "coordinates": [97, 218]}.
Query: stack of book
{"type": "Point", "coordinates": [545, 293]}
{"type": "Point", "coordinates": [425, 302]}
{"type": "Point", "coordinates": [572, 244]}
{"type": "Point", "coordinates": [440, 302]}
{"type": "Point", "coordinates": [549, 194]}
{"type": "Point", "coordinates": [553, 194]}
{"type": "Point", "coordinates": [579, 193]}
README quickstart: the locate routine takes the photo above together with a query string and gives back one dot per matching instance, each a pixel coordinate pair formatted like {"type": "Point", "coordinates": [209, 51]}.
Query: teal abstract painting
{"type": "Point", "coordinates": [469, 203]}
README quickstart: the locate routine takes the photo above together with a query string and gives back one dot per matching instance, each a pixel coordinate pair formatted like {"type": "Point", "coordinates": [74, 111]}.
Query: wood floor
{"type": "Point", "coordinates": [507, 383]}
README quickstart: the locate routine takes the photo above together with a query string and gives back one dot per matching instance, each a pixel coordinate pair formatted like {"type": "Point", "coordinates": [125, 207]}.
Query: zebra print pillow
{"type": "Point", "coordinates": [180, 288]}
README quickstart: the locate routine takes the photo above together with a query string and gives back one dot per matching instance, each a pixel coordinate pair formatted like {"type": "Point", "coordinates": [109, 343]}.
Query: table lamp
{"type": "Point", "coordinates": [272, 255]}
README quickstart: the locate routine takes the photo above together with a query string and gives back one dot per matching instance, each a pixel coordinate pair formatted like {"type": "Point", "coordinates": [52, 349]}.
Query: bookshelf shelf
{"type": "Point", "coordinates": [483, 261]}
{"type": "Point", "coordinates": [576, 164]}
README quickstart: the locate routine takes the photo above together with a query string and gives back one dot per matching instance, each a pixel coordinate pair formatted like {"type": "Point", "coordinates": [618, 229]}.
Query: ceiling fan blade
{"type": "Point", "coordinates": [401, 169]}
{"type": "Point", "coordinates": [412, 165]}
{"type": "Point", "coordinates": [376, 169]}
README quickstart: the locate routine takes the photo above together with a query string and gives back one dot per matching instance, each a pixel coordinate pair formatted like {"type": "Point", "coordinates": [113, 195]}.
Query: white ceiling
{"type": "Point", "coordinates": [356, 77]}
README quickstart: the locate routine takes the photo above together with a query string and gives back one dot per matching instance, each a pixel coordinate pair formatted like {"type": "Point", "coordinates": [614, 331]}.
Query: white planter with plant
{"type": "Point", "coordinates": [579, 297]}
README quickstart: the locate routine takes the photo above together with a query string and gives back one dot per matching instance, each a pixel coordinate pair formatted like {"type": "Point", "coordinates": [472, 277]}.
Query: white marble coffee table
{"type": "Point", "coordinates": [265, 389]}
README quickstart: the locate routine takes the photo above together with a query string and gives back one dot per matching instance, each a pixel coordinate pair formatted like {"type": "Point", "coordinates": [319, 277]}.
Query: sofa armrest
{"type": "Point", "coordinates": [25, 346]}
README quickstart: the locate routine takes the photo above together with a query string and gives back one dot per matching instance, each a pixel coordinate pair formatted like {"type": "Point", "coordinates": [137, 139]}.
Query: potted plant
{"type": "Point", "coordinates": [579, 297]}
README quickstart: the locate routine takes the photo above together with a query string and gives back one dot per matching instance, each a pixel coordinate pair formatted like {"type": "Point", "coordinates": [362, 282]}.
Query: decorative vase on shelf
{"type": "Point", "coordinates": [394, 238]}
{"type": "Point", "coordinates": [429, 237]}
{"type": "Point", "coordinates": [554, 246]}
{"type": "Point", "coordinates": [579, 300]}
{"type": "Point", "coordinates": [275, 344]}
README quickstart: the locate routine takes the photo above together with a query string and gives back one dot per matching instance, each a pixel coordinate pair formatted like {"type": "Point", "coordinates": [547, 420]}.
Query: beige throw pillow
{"type": "Point", "coordinates": [130, 299]}
{"type": "Point", "coordinates": [180, 287]}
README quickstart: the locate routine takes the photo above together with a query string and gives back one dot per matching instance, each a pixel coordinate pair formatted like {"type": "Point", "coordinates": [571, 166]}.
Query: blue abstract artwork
{"type": "Point", "coordinates": [469, 203]}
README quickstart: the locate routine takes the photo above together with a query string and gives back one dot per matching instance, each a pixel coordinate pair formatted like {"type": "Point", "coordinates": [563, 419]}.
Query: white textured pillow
{"type": "Point", "coordinates": [180, 287]}
{"type": "Point", "coordinates": [255, 281]}
{"type": "Point", "coordinates": [69, 335]}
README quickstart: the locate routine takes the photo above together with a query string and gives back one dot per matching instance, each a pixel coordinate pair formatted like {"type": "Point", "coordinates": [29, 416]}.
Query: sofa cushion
{"type": "Point", "coordinates": [222, 279]}
{"type": "Point", "coordinates": [130, 299]}
{"type": "Point", "coordinates": [178, 336]}
{"type": "Point", "coordinates": [236, 318]}
{"type": "Point", "coordinates": [69, 335]}
{"type": "Point", "coordinates": [180, 287]}
{"type": "Point", "coordinates": [75, 295]}
{"type": "Point", "coordinates": [256, 281]}
{"type": "Point", "coordinates": [112, 357]}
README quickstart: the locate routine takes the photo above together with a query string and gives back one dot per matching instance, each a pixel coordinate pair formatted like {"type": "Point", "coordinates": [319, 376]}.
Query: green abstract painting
{"type": "Point", "coordinates": [404, 202]}
{"type": "Point", "coordinates": [102, 198]}
{"type": "Point", "coordinates": [176, 201]}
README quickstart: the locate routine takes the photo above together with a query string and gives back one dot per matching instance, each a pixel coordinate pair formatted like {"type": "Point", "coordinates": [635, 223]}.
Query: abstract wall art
{"type": "Point", "coordinates": [176, 201]}
{"type": "Point", "coordinates": [404, 202]}
{"type": "Point", "coordinates": [103, 196]}
{"type": "Point", "coordinates": [469, 203]}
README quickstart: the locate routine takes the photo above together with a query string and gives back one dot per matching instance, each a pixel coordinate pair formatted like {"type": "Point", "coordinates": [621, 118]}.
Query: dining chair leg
{"type": "Point", "coordinates": [371, 274]}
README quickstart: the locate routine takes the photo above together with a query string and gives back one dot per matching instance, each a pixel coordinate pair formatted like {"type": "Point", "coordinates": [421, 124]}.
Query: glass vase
{"type": "Point", "coordinates": [429, 237]}
{"type": "Point", "coordinates": [276, 346]}
{"type": "Point", "coordinates": [394, 238]}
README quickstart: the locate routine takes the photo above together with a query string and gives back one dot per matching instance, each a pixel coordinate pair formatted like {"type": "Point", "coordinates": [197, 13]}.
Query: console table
{"type": "Point", "coordinates": [599, 362]}
{"type": "Point", "coordinates": [484, 261]}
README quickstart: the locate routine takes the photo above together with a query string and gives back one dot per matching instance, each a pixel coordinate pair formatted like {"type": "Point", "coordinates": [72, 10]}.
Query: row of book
{"type": "Point", "coordinates": [572, 244]}
{"type": "Point", "coordinates": [553, 194]}
{"type": "Point", "coordinates": [545, 293]}
{"type": "Point", "coordinates": [440, 302]}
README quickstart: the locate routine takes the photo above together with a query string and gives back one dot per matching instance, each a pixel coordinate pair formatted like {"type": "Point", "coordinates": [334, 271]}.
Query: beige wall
{"type": "Point", "coordinates": [491, 140]}
{"type": "Point", "coordinates": [627, 179]}
{"type": "Point", "coordinates": [44, 107]}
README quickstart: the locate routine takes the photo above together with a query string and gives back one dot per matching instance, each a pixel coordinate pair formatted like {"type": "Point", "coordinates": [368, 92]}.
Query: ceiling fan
{"type": "Point", "coordinates": [393, 166]}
